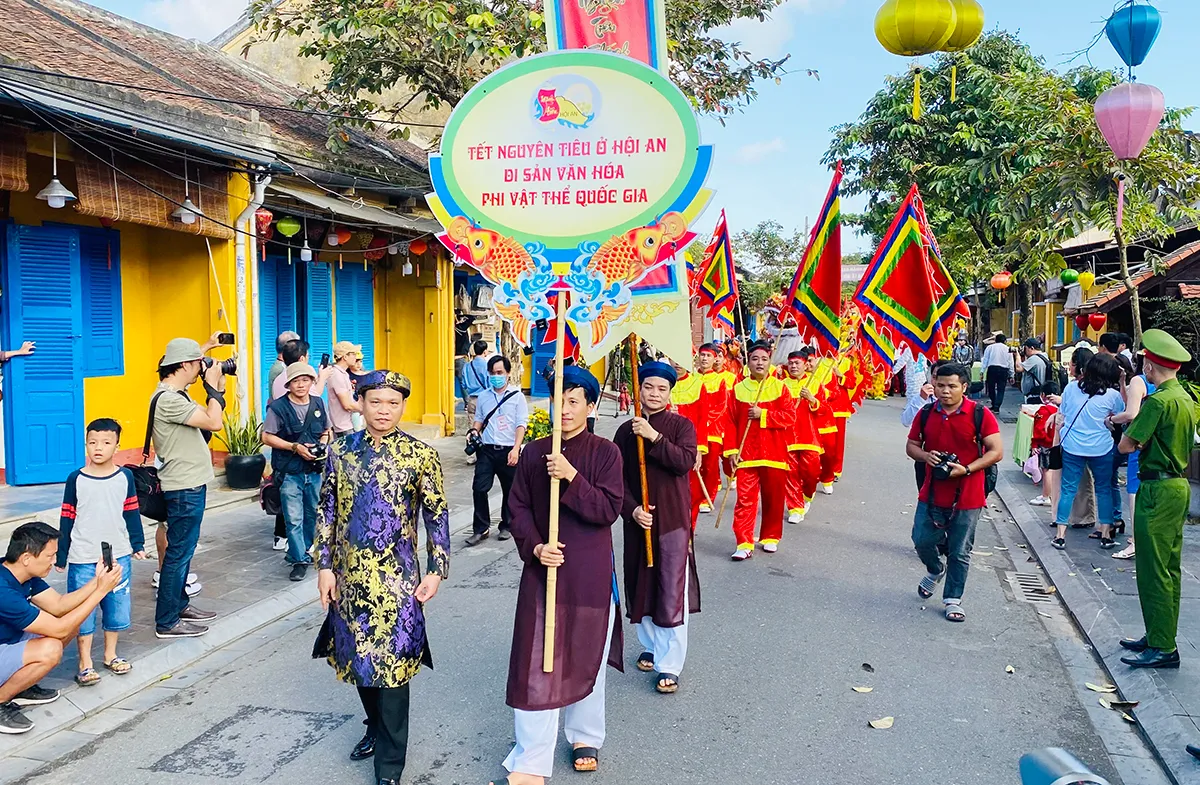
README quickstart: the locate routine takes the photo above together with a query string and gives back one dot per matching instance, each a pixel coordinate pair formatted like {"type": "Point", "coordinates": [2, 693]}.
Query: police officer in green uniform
{"type": "Point", "coordinates": [1164, 431]}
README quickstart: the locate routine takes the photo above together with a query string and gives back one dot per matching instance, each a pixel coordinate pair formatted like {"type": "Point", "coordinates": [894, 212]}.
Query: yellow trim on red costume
{"type": "Point", "coordinates": [828, 430]}
{"type": "Point", "coordinates": [843, 415]}
{"type": "Point", "coordinates": [746, 391]}
{"type": "Point", "coordinates": [769, 542]}
{"type": "Point", "coordinates": [763, 464]}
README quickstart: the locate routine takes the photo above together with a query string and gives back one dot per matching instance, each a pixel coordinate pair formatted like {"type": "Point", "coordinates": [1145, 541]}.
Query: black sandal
{"type": "Point", "coordinates": [501, 780]}
{"type": "Point", "coordinates": [672, 683]}
{"type": "Point", "coordinates": [1094, 535]}
{"type": "Point", "coordinates": [1060, 543]}
{"type": "Point", "coordinates": [645, 662]}
{"type": "Point", "coordinates": [585, 753]}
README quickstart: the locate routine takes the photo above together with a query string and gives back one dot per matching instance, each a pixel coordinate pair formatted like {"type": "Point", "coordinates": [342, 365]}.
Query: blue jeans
{"type": "Point", "coordinates": [116, 606]}
{"type": "Point", "coordinates": [299, 495]}
{"type": "Point", "coordinates": [1104, 477]}
{"type": "Point", "coordinates": [185, 511]}
{"type": "Point", "coordinates": [934, 526]}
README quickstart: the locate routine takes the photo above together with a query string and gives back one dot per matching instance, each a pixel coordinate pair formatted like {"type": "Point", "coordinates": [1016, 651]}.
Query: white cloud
{"type": "Point", "coordinates": [770, 38]}
{"type": "Point", "coordinates": [199, 19]}
{"type": "Point", "coordinates": [758, 151]}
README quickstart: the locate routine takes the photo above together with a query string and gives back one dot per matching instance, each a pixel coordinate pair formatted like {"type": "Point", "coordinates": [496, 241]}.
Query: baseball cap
{"type": "Point", "coordinates": [342, 348]}
{"type": "Point", "coordinates": [181, 350]}
{"type": "Point", "coordinates": [1033, 343]}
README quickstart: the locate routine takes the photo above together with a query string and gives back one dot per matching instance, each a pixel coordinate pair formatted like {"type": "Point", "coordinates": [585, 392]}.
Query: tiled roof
{"type": "Point", "coordinates": [1101, 301]}
{"type": "Point", "coordinates": [1189, 291]}
{"type": "Point", "coordinates": [70, 37]}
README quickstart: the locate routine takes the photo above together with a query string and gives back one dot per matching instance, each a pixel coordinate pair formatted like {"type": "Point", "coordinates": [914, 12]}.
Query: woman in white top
{"type": "Point", "coordinates": [997, 364]}
{"type": "Point", "coordinates": [1087, 442]}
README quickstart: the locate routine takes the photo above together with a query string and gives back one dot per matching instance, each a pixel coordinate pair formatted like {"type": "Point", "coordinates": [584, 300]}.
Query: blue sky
{"type": "Point", "coordinates": [768, 156]}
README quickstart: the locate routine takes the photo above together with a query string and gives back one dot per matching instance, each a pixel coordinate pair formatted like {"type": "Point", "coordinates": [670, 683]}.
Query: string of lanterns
{"type": "Point", "coordinates": [374, 247]}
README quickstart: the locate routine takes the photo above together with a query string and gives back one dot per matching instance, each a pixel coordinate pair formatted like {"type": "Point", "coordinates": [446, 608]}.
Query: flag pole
{"type": "Point", "coordinates": [641, 443]}
{"type": "Point", "coordinates": [560, 343]}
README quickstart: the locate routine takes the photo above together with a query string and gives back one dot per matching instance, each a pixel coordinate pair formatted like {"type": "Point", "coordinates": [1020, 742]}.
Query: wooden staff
{"type": "Point", "coordinates": [741, 446]}
{"type": "Point", "coordinates": [641, 444]}
{"type": "Point", "coordinates": [707, 498]}
{"type": "Point", "coordinates": [560, 343]}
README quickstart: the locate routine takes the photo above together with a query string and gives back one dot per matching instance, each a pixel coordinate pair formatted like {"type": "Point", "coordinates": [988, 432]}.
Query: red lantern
{"type": "Point", "coordinates": [1097, 320]}
{"type": "Point", "coordinates": [1002, 280]}
{"type": "Point", "coordinates": [376, 250]}
{"type": "Point", "coordinates": [262, 222]}
{"type": "Point", "coordinates": [343, 235]}
{"type": "Point", "coordinates": [418, 247]}
{"type": "Point", "coordinates": [1081, 321]}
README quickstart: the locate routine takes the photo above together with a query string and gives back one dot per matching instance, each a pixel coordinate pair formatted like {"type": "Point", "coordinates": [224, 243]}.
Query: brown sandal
{"type": "Point", "coordinates": [645, 662]}
{"type": "Point", "coordinates": [580, 756]}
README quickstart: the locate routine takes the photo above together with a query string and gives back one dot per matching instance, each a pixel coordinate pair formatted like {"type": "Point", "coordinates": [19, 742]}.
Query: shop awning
{"type": "Point", "coordinates": [358, 212]}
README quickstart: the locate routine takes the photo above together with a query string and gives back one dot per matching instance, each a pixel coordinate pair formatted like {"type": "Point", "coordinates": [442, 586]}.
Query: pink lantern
{"type": "Point", "coordinates": [1128, 116]}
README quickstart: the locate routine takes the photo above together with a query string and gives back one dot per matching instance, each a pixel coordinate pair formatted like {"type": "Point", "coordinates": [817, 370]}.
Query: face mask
{"type": "Point", "coordinates": [498, 382]}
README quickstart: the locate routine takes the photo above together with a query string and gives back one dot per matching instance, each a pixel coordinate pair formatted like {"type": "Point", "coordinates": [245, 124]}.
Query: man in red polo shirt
{"type": "Point", "coordinates": [956, 443]}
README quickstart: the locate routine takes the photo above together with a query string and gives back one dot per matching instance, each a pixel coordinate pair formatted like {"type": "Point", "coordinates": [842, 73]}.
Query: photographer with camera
{"type": "Point", "coordinates": [298, 432]}
{"type": "Point", "coordinates": [181, 429]}
{"type": "Point", "coordinates": [954, 440]}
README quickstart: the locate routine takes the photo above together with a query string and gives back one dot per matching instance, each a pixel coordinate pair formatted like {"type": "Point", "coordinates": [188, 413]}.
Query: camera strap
{"type": "Point", "coordinates": [150, 427]}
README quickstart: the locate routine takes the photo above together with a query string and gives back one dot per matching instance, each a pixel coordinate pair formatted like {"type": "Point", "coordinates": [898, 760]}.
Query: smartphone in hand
{"type": "Point", "coordinates": [106, 555]}
{"type": "Point", "coordinates": [225, 339]}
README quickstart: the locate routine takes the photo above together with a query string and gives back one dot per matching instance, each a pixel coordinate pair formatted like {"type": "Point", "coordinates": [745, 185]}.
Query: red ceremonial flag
{"type": "Point", "coordinates": [906, 288]}
{"type": "Point", "coordinates": [716, 277]}
{"type": "Point", "coordinates": [815, 296]}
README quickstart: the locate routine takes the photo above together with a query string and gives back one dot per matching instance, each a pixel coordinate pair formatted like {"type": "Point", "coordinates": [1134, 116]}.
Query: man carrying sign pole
{"type": "Point", "coordinates": [660, 597]}
{"type": "Point", "coordinates": [565, 543]}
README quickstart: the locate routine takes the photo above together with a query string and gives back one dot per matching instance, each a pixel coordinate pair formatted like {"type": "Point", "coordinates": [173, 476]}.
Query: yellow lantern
{"type": "Point", "coordinates": [911, 28]}
{"type": "Point", "coordinates": [968, 27]}
{"type": "Point", "coordinates": [1086, 280]}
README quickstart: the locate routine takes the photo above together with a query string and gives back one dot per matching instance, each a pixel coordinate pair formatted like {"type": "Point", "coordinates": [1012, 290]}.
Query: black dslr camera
{"type": "Point", "coordinates": [228, 367]}
{"type": "Point", "coordinates": [318, 451]}
{"type": "Point", "coordinates": [943, 468]}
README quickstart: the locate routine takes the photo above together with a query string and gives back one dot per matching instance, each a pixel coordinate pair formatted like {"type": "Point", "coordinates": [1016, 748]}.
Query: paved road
{"type": "Point", "coordinates": [766, 696]}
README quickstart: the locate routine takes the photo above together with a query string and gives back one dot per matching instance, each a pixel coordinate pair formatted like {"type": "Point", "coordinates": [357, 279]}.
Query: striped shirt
{"type": "Point", "coordinates": [96, 510]}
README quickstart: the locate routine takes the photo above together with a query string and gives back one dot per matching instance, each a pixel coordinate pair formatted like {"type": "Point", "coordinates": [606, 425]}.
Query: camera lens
{"type": "Point", "coordinates": [228, 367]}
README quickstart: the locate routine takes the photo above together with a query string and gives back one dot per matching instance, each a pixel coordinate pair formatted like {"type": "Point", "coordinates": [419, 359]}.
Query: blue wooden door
{"type": "Point", "coordinates": [356, 309]}
{"type": "Point", "coordinates": [43, 392]}
{"type": "Point", "coordinates": [543, 355]}
{"type": "Point", "coordinates": [276, 309]}
{"type": "Point", "coordinates": [318, 312]}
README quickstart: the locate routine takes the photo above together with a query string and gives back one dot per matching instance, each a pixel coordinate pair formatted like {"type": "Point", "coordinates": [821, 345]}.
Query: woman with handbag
{"type": "Point", "coordinates": [1087, 442]}
{"type": "Point", "coordinates": [1137, 390]}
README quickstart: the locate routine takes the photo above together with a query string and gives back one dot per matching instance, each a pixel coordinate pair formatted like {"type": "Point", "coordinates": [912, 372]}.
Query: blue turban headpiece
{"type": "Point", "coordinates": [575, 376]}
{"type": "Point", "coordinates": [661, 370]}
{"type": "Point", "coordinates": [376, 379]}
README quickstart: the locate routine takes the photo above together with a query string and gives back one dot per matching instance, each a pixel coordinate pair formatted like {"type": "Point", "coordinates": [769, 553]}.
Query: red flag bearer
{"type": "Point", "coordinates": [839, 401]}
{"type": "Point", "coordinates": [804, 451]}
{"type": "Point", "coordinates": [765, 419]}
{"type": "Point", "coordinates": [717, 389]}
{"type": "Point", "coordinates": [823, 417]}
{"type": "Point", "coordinates": [692, 400]}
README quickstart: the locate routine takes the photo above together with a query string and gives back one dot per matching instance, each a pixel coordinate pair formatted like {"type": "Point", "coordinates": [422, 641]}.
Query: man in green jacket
{"type": "Point", "coordinates": [1164, 431]}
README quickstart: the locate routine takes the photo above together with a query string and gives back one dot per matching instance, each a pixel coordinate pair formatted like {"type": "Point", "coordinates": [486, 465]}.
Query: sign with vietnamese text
{"type": "Point", "coordinates": [635, 28]}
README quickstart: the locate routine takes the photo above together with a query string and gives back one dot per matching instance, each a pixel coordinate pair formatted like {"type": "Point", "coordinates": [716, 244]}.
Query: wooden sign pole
{"type": "Point", "coordinates": [560, 343]}
{"type": "Point", "coordinates": [641, 443]}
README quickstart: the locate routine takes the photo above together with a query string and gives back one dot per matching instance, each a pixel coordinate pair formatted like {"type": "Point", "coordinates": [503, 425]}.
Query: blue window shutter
{"type": "Point", "coordinates": [356, 309]}
{"type": "Point", "coordinates": [285, 282]}
{"type": "Point", "coordinates": [319, 312]}
{"type": "Point", "coordinates": [100, 288]}
{"type": "Point", "coordinates": [268, 320]}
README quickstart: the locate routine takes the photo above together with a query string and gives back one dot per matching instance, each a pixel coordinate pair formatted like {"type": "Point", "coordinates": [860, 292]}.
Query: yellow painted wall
{"type": "Point", "coordinates": [167, 290]}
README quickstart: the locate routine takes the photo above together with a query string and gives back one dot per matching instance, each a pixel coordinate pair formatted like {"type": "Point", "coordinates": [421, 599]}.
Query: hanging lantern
{"type": "Point", "coordinates": [343, 235]}
{"type": "Point", "coordinates": [911, 28]}
{"type": "Point", "coordinates": [287, 226]}
{"type": "Point", "coordinates": [1132, 30]}
{"type": "Point", "coordinates": [1086, 280]}
{"type": "Point", "coordinates": [418, 247]}
{"type": "Point", "coordinates": [262, 223]}
{"type": "Point", "coordinates": [315, 232]}
{"type": "Point", "coordinates": [1128, 115]}
{"type": "Point", "coordinates": [1097, 320]}
{"type": "Point", "coordinates": [968, 26]}
{"type": "Point", "coordinates": [1069, 277]}
{"type": "Point", "coordinates": [364, 238]}
{"type": "Point", "coordinates": [376, 249]}
{"type": "Point", "coordinates": [1081, 321]}
{"type": "Point", "coordinates": [1001, 280]}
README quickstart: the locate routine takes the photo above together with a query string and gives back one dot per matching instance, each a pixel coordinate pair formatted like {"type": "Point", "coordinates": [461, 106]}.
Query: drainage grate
{"type": "Point", "coordinates": [1029, 588]}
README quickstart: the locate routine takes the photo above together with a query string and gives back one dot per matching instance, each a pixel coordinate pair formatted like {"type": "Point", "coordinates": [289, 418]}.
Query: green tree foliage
{"type": "Point", "coordinates": [769, 258]}
{"type": "Point", "coordinates": [438, 49]}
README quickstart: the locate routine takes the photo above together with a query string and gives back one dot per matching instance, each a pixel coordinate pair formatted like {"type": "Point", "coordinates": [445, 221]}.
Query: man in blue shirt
{"type": "Point", "coordinates": [501, 416]}
{"type": "Point", "coordinates": [36, 621]}
{"type": "Point", "coordinates": [474, 381]}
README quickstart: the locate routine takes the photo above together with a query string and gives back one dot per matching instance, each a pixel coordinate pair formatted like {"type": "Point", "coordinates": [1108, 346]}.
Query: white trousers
{"type": "Point", "coordinates": [667, 644]}
{"type": "Point", "coordinates": [537, 731]}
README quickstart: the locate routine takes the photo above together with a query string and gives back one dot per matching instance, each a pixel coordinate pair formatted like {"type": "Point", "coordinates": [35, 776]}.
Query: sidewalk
{"type": "Point", "coordinates": [1101, 594]}
{"type": "Point", "coordinates": [243, 580]}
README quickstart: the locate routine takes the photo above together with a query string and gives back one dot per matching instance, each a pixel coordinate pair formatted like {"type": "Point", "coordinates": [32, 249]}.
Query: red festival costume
{"type": "Point", "coordinates": [839, 403]}
{"type": "Point", "coordinates": [804, 454]}
{"type": "Point", "coordinates": [827, 429]}
{"type": "Point", "coordinates": [763, 463]}
{"type": "Point", "coordinates": [692, 400]}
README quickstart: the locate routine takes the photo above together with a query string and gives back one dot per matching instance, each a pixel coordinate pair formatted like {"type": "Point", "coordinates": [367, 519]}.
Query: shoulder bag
{"type": "Point", "coordinates": [152, 502]}
{"type": "Point", "coordinates": [990, 475]}
{"type": "Point", "coordinates": [474, 437]}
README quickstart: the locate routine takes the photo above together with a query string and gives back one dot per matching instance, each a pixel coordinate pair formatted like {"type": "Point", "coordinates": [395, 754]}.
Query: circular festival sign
{"type": "Point", "coordinates": [569, 147]}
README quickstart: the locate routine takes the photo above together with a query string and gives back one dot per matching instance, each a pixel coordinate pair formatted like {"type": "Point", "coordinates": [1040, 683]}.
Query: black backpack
{"type": "Point", "coordinates": [990, 475]}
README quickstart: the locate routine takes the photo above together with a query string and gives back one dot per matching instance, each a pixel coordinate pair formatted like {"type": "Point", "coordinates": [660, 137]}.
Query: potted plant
{"type": "Point", "coordinates": [245, 464]}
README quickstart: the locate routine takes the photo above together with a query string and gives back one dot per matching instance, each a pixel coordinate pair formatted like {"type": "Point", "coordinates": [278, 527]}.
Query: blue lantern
{"type": "Point", "coordinates": [1132, 30]}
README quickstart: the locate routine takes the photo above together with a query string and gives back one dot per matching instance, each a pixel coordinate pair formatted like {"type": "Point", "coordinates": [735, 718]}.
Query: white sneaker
{"type": "Point", "coordinates": [192, 587]}
{"type": "Point", "coordinates": [705, 507]}
{"type": "Point", "coordinates": [769, 547]}
{"type": "Point", "coordinates": [741, 554]}
{"type": "Point", "coordinates": [795, 516]}
{"type": "Point", "coordinates": [827, 488]}
{"type": "Point", "coordinates": [471, 460]}
{"type": "Point", "coordinates": [1040, 501]}
{"type": "Point", "coordinates": [280, 544]}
